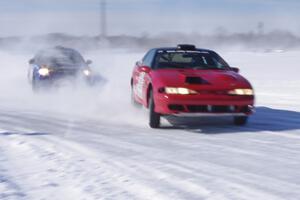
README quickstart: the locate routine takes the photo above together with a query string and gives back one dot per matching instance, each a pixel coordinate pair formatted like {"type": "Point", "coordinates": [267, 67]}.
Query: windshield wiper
{"type": "Point", "coordinates": [208, 67]}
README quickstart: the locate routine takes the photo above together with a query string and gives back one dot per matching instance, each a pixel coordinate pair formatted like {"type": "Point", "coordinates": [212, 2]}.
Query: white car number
{"type": "Point", "coordinates": [140, 84]}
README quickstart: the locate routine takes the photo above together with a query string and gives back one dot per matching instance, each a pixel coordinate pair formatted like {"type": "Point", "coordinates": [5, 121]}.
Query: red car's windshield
{"type": "Point", "coordinates": [194, 60]}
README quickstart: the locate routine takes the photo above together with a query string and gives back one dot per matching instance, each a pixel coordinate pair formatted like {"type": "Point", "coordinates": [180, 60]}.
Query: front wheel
{"type": "Point", "coordinates": [240, 120]}
{"type": "Point", "coordinates": [154, 117]}
{"type": "Point", "coordinates": [35, 86]}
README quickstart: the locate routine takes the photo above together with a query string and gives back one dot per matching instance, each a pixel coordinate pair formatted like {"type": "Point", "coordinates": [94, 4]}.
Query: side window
{"type": "Point", "coordinates": [148, 59]}
{"type": "Point", "coordinates": [219, 59]}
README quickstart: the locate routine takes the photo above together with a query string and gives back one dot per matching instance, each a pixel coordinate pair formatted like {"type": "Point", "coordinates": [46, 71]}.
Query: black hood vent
{"type": "Point", "coordinates": [195, 80]}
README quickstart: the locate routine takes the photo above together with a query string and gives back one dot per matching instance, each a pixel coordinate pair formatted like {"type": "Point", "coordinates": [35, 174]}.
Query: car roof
{"type": "Point", "coordinates": [176, 49]}
{"type": "Point", "coordinates": [58, 54]}
{"type": "Point", "coordinates": [59, 49]}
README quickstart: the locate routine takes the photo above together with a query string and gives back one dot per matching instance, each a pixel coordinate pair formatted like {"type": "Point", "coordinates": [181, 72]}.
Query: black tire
{"type": "Point", "coordinates": [154, 117]}
{"type": "Point", "coordinates": [38, 86]}
{"type": "Point", "coordinates": [240, 120]}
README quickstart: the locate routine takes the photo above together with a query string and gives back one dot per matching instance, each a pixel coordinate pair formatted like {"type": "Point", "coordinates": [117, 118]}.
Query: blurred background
{"type": "Point", "coordinates": [269, 25]}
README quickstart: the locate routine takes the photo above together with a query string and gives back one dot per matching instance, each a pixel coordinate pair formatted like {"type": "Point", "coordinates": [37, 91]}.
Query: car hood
{"type": "Point", "coordinates": [225, 79]}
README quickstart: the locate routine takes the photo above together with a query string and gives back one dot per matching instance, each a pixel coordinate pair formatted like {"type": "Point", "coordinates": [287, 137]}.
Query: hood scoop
{"type": "Point", "coordinates": [195, 80]}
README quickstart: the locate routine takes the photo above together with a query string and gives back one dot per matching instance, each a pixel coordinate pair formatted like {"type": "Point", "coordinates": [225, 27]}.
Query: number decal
{"type": "Point", "coordinates": [140, 84]}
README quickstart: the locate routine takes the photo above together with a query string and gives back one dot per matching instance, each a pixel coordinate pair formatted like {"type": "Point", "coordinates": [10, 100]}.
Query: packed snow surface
{"type": "Point", "coordinates": [80, 143]}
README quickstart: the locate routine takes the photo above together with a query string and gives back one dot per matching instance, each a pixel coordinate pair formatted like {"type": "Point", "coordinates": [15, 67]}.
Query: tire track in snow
{"type": "Point", "coordinates": [9, 189]}
{"type": "Point", "coordinates": [135, 177]}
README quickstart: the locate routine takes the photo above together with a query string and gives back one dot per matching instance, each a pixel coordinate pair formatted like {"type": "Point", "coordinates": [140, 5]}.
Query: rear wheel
{"type": "Point", "coordinates": [240, 120]}
{"type": "Point", "coordinates": [154, 117]}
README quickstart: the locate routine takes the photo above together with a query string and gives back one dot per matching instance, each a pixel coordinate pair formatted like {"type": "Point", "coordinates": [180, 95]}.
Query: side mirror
{"type": "Point", "coordinates": [31, 61]}
{"type": "Point", "coordinates": [88, 62]}
{"type": "Point", "coordinates": [145, 69]}
{"type": "Point", "coordinates": [235, 69]}
{"type": "Point", "coordinates": [138, 63]}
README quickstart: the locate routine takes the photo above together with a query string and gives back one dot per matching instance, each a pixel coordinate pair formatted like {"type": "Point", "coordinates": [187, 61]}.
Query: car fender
{"type": "Point", "coordinates": [32, 72]}
{"type": "Point", "coordinates": [147, 95]}
{"type": "Point", "coordinates": [146, 90]}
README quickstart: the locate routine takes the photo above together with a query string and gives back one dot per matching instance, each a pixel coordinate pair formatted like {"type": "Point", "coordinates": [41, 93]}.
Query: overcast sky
{"type": "Point", "coordinates": [135, 17]}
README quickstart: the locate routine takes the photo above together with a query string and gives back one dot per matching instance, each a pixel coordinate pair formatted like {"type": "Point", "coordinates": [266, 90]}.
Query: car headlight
{"type": "Point", "coordinates": [175, 90]}
{"type": "Point", "coordinates": [44, 71]}
{"type": "Point", "coordinates": [87, 72]}
{"type": "Point", "coordinates": [248, 92]}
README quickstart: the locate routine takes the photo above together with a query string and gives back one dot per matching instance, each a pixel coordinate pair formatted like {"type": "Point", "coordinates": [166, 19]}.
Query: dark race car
{"type": "Point", "coordinates": [54, 67]}
{"type": "Point", "coordinates": [186, 81]}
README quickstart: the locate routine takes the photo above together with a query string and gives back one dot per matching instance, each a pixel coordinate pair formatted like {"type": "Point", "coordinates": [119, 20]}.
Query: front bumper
{"type": "Point", "coordinates": [203, 104]}
{"type": "Point", "coordinates": [62, 80]}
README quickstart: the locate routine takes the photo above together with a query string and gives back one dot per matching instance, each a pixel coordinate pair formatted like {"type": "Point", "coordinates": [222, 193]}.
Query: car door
{"type": "Point", "coordinates": [141, 77]}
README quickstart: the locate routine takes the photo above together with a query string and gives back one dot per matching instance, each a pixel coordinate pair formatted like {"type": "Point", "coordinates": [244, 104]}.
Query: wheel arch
{"type": "Point", "coordinates": [149, 89]}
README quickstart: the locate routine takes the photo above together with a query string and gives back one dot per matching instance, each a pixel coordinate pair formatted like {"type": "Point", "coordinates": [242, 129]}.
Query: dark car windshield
{"type": "Point", "coordinates": [193, 59]}
{"type": "Point", "coordinates": [60, 57]}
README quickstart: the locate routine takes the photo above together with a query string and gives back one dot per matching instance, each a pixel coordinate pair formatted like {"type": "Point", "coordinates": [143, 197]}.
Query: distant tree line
{"type": "Point", "coordinates": [254, 41]}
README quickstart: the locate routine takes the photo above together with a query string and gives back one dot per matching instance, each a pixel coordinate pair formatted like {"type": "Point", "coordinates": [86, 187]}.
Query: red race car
{"type": "Point", "coordinates": [187, 81]}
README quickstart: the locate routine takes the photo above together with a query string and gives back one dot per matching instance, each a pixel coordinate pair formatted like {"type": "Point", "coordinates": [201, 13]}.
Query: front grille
{"type": "Point", "coordinates": [220, 109]}
{"type": "Point", "coordinates": [176, 107]}
{"type": "Point", "coordinates": [197, 108]}
{"type": "Point", "coordinates": [63, 72]}
{"type": "Point", "coordinates": [210, 109]}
